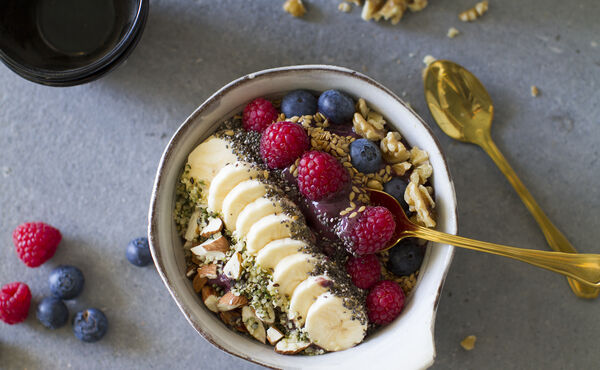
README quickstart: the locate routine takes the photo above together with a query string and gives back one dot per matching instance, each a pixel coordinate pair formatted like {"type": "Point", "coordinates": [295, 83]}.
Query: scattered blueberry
{"type": "Point", "coordinates": [365, 156]}
{"type": "Point", "coordinates": [405, 257]}
{"type": "Point", "coordinates": [396, 188]}
{"type": "Point", "coordinates": [138, 252]}
{"type": "Point", "coordinates": [52, 313]}
{"type": "Point", "coordinates": [66, 282]}
{"type": "Point", "coordinates": [90, 325]}
{"type": "Point", "coordinates": [336, 106]}
{"type": "Point", "coordinates": [298, 103]}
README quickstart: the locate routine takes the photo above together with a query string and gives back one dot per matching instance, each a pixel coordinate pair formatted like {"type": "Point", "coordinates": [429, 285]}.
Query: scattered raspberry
{"type": "Point", "coordinates": [320, 175]}
{"type": "Point", "coordinates": [364, 270]}
{"type": "Point", "coordinates": [385, 302]}
{"type": "Point", "coordinates": [259, 114]}
{"type": "Point", "coordinates": [283, 142]}
{"type": "Point", "coordinates": [372, 231]}
{"type": "Point", "coordinates": [36, 242]}
{"type": "Point", "coordinates": [15, 299]}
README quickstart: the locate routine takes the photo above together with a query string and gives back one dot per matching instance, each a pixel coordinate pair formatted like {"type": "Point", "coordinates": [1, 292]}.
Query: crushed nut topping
{"type": "Point", "coordinates": [392, 149]}
{"type": "Point", "coordinates": [344, 7]}
{"type": "Point", "coordinates": [468, 343]}
{"type": "Point", "coordinates": [294, 7]}
{"type": "Point", "coordinates": [475, 12]}
{"type": "Point", "coordinates": [534, 91]}
{"type": "Point", "coordinates": [390, 10]}
{"type": "Point", "coordinates": [453, 32]}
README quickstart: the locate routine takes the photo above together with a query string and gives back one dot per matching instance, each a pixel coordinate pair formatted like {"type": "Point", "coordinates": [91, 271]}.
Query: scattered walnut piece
{"type": "Point", "coordinates": [392, 149]}
{"type": "Point", "coordinates": [401, 168]}
{"type": "Point", "coordinates": [534, 91]}
{"type": "Point", "coordinates": [294, 7]}
{"type": "Point", "coordinates": [475, 12]}
{"type": "Point", "coordinates": [469, 342]}
{"type": "Point", "coordinates": [344, 7]}
{"type": "Point", "coordinates": [453, 32]}
{"type": "Point", "coordinates": [428, 59]}
{"type": "Point", "coordinates": [390, 10]}
{"type": "Point", "coordinates": [417, 5]}
{"type": "Point", "coordinates": [371, 127]}
{"type": "Point", "coordinates": [419, 200]}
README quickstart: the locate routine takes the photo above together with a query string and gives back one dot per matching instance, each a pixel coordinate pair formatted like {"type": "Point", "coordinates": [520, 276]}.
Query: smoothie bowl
{"type": "Point", "coordinates": [260, 224]}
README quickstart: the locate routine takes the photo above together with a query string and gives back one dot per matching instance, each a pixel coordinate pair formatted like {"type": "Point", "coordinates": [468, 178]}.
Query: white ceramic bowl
{"type": "Point", "coordinates": [409, 339]}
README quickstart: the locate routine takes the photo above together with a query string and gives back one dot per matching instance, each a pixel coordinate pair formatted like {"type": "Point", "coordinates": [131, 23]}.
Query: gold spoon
{"type": "Point", "coordinates": [463, 109]}
{"type": "Point", "coordinates": [585, 268]}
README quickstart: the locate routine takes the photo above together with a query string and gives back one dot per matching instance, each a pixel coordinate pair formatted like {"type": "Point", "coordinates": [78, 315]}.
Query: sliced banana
{"type": "Point", "coordinates": [209, 158]}
{"type": "Point", "coordinates": [305, 294]}
{"type": "Point", "coordinates": [291, 271]}
{"type": "Point", "coordinates": [253, 212]}
{"type": "Point", "coordinates": [269, 256]}
{"type": "Point", "coordinates": [239, 197]}
{"type": "Point", "coordinates": [267, 229]}
{"type": "Point", "coordinates": [330, 325]}
{"type": "Point", "coordinates": [225, 180]}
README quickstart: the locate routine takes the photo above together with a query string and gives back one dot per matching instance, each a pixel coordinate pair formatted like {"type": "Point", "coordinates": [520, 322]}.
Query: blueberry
{"type": "Point", "coordinates": [66, 282]}
{"type": "Point", "coordinates": [138, 252]}
{"type": "Point", "coordinates": [396, 188]}
{"type": "Point", "coordinates": [52, 313]}
{"type": "Point", "coordinates": [90, 325]}
{"type": "Point", "coordinates": [298, 103]}
{"type": "Point", "coordinates": [336, 106]}
{"type": "Point", "coordinates": [365, 156]}
{"type": "Point", "coordinates": [405, 257]}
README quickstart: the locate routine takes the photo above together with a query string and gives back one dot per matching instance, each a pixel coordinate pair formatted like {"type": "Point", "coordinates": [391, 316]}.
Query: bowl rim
{"type": "Point", "coordinates": [214, 99]}
{"type": "Point", "coordinates": [93, 70]}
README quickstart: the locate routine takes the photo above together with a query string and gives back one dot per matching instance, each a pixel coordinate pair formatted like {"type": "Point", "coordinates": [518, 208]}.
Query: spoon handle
{"type": "Point", "coordinates": [583, 267]}
{"type": "Point", "coordinates": [556, 240]}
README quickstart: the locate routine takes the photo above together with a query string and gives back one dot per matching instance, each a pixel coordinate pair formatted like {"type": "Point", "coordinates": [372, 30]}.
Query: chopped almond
{"type": "Point", "coordinates": [208, 271]}
{"type": "Point", "coordinates": [198, 283]}
{"type": "Point", "coordinates": [233, 267]}
{"type": "Point", "coordinates": [289, 346]}
{"type": "Point", "coordinates": [210, 298]}
{"type": "Point", "coordinates": [214, 226]}
{"type": "Point", "coordinates": [274, 335]}
{"type": "Point", "coordinates": [231, 301]}
{"type": "Point", "coordinates": [231, 318]}
{"type": "Point", "coordinates": [219, 244]}
{"type": "Point", "coordinates": [253, 324]}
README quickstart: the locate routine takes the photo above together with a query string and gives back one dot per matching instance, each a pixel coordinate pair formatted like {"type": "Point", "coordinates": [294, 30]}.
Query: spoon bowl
{"type": "Point", "coordinates": [458, 101]}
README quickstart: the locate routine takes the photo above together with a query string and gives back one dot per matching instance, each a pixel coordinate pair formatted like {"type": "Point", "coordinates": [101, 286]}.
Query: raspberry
{"type": "Point", "coordinates": [283, 142]}
{"type": "Point", "coordinates": [320, 175]}
{"type": "Point", "coordinates": [36, 242]}
{"type": "Point", "coordinates": [372, 231]}
{"type": "Point", "coordinates": [385, 302]}
{"type": "Point", "coordinates": [259, 114]}
{"type": "Point", "coordinates": [364, 270]}
{"type": "Point", "coordinates": [15, 299]}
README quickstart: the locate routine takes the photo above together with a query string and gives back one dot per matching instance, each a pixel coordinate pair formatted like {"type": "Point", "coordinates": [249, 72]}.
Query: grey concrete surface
{"type": "Point", "coordinates": [83, 159]}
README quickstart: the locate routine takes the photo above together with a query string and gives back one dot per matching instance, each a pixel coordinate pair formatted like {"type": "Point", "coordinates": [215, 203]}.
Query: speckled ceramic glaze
{"type": "Point", "coordinates": [409, 339]}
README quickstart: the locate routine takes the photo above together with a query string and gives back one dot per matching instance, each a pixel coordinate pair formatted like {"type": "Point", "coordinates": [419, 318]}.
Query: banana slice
{"type": "Point", "coordinates": [291, 271]}
{"type": "Point", "coordinates": [239, 197]}
{"type": "Point", "coordinates": [269, 256]}
{"type": "Point", "coordinates": [209, 158]}
{"type": "Point", "coordinates": [267, 229]}
{"type": "Point", "coordinates": [305, 294]}
{"type": "Point", "coordinates": [225, 180]}
{"type": "Point", "coordinates": [330, 325]}
{"type": "Point", "coordinates": [254, 211]}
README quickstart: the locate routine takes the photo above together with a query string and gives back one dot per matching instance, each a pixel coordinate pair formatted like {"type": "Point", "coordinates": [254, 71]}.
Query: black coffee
{"type": "Point", "coordinates": [59, 34]}
{"type": "Point", "coordinates": [75, 27]}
